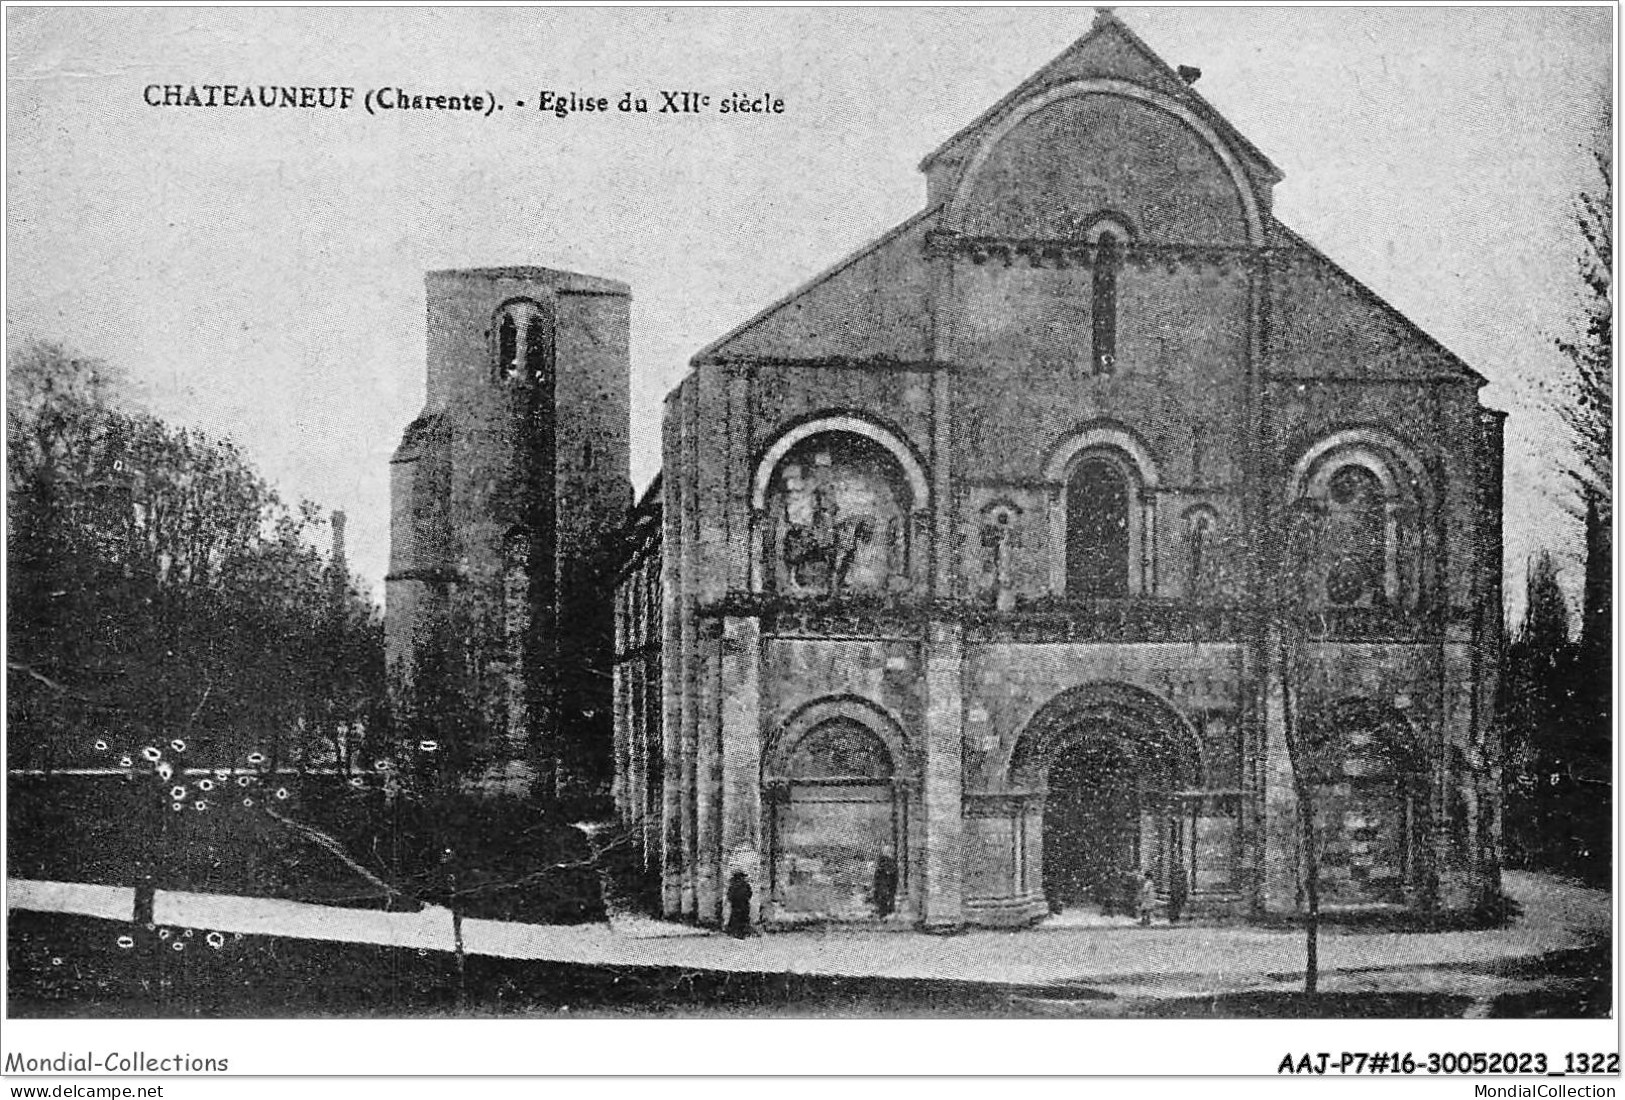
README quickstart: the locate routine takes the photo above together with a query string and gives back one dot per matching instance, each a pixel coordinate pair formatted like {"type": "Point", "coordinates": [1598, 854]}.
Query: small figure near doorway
{"type": "Point", "coordinates": [1177, 894]}
{"type": "Point", "coordinates": [885, 892]}
{"type": "Point", "coordinates": [739, 895]}
{"type": "Point", "coordinates": [1147, 898]}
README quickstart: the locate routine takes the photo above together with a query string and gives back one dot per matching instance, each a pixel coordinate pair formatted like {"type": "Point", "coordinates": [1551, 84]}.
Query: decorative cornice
{"type": "Point", "coordinates": [1370, 380]}
{"type": "Point", "coordinates": [1052, 620]}
{"type": "Point", "coordinates": [1058, 620]}
{"type": "Point", "coordinates": [882, 362]}
{"type": "Point", "coordinates": [824, 617]}
{"type": "Point", "coordinates": [1376, 624]}
{"type": "Point", "coordinates": [1062, 254]}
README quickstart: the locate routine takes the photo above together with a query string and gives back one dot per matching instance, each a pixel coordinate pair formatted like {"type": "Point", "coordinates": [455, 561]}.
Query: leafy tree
{"type": "Point", "coordinates": [1558, 701]}
{"type": "Point", "coordinates": [1532, 701]}
{"type": "Point", "coordinates": [1584, 394]}
{"type": "Point", "coordinates": [158, 589]}
{"type": "Point", "coordinates": [1557, 745]}
{"type": "Point", "coordinates": [1584, 399]}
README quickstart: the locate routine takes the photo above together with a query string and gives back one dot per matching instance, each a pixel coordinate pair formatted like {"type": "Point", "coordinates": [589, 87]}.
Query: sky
{"type": "Point", "coordinates": [259, 273]}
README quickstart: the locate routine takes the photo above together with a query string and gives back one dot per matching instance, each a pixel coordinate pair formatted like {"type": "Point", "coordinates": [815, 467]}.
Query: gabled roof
{"type": "Point", "coordinates": [1110, 49]}
{"type": "Point", "coordinates": [826, 301]}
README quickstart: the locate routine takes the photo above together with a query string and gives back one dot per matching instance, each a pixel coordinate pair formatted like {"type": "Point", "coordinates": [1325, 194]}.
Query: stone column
{"type": "Point", "coordinates": [944, 777]}
{"type": "Point", "coordinates": [744, 526]}
{"type": "Point", "coordinates": [708, 885]}
{"type": "Point", "coordinates": [1390, 552]}
{"type": "Point", "coordinates": [1149, 537]}
{"type": "Point", "coordinates": [1055, 518]}
{"type": "Point", "coordinates": [742, 840]}
{"type": "Point", "coordinates": [944, 504]}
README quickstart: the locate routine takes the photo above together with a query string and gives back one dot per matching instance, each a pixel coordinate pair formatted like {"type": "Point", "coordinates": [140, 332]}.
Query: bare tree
{"type": "Point", "coordinates": [1291, 629]}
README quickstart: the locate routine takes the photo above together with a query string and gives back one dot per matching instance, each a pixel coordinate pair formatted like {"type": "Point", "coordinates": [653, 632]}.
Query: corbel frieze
{"type": "Point", "coordinates": [1060, 255]}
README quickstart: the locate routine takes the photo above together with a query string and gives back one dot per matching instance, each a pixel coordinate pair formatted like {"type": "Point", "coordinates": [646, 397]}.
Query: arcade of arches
{"type": "Point", "coordinates": [1108, 785]}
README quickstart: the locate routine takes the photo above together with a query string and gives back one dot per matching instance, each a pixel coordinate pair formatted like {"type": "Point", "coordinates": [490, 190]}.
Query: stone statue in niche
{"type": "Point", "coordinates": [996, 554]}
{"type": "Point", "coordinates": [840, 520]}
{"type": "Point", "coordinates": [809, 548]}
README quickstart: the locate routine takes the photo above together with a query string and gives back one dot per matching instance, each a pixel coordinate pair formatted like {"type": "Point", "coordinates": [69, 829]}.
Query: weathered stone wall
{"type": "Point", "coordinates": [965, 343]}
{"type": "Point", "coordinates": [1069, 160]}
{"type": "Point", "coordinates": [501, 513]}
{"type": "Point", "coordinates": [639, 636]}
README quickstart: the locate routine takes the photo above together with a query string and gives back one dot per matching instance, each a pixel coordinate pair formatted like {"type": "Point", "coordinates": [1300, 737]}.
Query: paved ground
{"type": "Point", "coordinates": [1120, 959]}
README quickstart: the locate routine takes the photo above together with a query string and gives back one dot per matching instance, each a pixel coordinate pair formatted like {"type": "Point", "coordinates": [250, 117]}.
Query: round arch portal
{"type": "Point", "coordinates": [838, 791]}
{"type": "Point", "coordinates": [1111, 764]}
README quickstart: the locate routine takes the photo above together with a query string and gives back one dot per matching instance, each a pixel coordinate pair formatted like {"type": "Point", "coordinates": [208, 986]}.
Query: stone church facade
{"type": "Point", "coordinates": [1027, 552]}
{"type": "Point", "coordinates": [506, 495]}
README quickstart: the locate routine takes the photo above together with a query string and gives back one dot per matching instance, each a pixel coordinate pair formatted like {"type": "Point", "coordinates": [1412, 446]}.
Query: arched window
{"type": "Point", "coordinates": [507, 347]}
{"type": "Point", "coordinates": [1354, 538]}
{"type": "Point", "coordinates": [524, 345]}
{"type": "Point", "coordinates": [1359, 502]}
{"type": "Point", "coordinates": [538, 352]}
{"type": "Point", "coordinates": [1097, 529]}
{"type": "Point", "coordinates": [516, 550]}
{"type": "Point", "coordinates": [1102, 513]}
{"type": "Point", "coordinates": [1107, 261]}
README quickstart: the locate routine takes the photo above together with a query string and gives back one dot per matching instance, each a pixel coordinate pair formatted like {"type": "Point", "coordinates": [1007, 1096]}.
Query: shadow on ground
{"type": "Point", "coordinates": [65, 967]}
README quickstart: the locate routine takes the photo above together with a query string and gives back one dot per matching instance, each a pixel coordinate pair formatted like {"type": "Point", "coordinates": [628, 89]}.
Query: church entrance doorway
{"type": "Point", "coordinates": [1104, 823]}
{"type": "Point", "coordinates": [1112, 764]}
{"type": "Point", "coordinates": [1091, 825]}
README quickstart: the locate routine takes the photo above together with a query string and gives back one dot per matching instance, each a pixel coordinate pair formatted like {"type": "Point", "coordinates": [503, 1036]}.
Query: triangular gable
{"type": "Point", "coordinates": [873, 305]}
{"type": "Point", "coordinates": [1372, 320]}
{"type": "Point", "coordinates": [1110, 49]}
